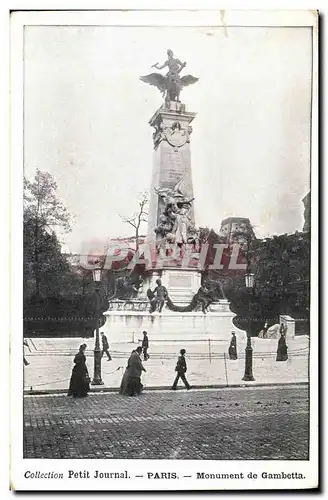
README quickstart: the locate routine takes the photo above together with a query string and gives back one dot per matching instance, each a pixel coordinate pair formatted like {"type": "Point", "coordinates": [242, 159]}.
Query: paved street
{"type": "Point", "coordinates": [224, 424]}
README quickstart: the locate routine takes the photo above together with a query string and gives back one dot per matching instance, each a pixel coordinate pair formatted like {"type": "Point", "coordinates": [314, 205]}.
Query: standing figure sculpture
{"type": "Point", "coordinates": [171, 84]}
{"type": "Point", "coordinates": [183, 223]}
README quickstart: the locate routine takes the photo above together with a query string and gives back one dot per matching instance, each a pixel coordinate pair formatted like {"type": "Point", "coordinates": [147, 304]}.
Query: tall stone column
{"type": "Point", "coordinates": [172, 171]}
{"type": "Point", "coordinates": [172, 160]}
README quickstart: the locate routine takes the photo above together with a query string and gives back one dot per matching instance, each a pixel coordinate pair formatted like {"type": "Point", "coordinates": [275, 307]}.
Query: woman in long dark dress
{"type": "Point", "coordinates": [282, 349]}
{"type": "Point", "coordinates": [79, 383]}
{"type": "Point", "coordinates": [131, 384]}
{"type": "Point", "coordinates": [233, 347]}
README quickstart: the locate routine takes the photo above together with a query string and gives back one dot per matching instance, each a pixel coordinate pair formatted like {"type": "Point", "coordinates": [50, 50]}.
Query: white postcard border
{"type": "Point", "coordinates": [19, 466]}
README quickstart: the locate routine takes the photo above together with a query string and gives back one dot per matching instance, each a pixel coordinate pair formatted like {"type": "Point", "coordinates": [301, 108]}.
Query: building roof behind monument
{"type": "Point", "coordinates": [241, 220]}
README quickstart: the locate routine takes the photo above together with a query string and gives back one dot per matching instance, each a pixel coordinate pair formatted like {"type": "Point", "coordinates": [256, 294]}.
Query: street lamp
{"type": "Point", "coordinates": [248, 375]}
{"type": "Point", "coordinates": [96, 274]}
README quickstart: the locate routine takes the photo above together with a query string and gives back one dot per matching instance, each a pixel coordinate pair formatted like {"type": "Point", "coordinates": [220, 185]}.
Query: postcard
{"type": "Point", "coordinates": [164, 194]}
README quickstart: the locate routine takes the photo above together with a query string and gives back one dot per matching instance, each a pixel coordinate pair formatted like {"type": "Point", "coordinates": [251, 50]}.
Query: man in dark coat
{"type": "Point", "coordinates": [181, 369]}
{"type": "Point", "coordinates": [105, 346]}
{"type": "Point", "coordinates": [145, 345]}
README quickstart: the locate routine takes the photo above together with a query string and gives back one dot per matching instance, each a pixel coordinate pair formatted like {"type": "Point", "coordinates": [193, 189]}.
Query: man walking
{"type": "Point", "coordinates": [105, 346]}
{"type": "Point", "coordinates": [181, 369]}
{"type": "Point", "coordinates": [145, 345]}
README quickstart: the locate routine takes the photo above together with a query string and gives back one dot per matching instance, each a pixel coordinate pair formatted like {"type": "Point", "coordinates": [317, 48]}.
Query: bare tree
{"type": "Point", "coordinates": [138, 217]}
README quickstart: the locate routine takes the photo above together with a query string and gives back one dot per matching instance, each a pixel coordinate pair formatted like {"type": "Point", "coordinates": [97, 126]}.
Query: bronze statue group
{"type": "Point", "coordinates": [131, 381]}
{"type": "Point", "coordinates": [160, 297]}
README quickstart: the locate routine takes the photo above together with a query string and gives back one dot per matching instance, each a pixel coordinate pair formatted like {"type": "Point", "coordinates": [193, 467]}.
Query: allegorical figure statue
{"type": "Point", "coordinates": [174, 223]}
{"type": "Point", "coordinates": [183, 223]}
{"type": "Point", "coordinates": [171, 84]}
{"type": "Point", "coordinates": [127, 287]}
{"type": "Point", "coordinates": [157, 297]}
{"type": "Point", "coordinates": [204, 297]}
{"type": "Point", "coordinates": [172, 196]}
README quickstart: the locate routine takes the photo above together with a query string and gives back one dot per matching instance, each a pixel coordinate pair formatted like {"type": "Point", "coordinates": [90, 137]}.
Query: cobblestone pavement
{"type": "Point", "coordinates": [224, 424]}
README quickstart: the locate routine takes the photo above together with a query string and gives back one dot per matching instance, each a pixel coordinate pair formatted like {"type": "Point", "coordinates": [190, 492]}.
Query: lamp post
{"type": "Point", "coordinates": [248, 375]}
{"type": "Point", "coordinates": [97, 380]}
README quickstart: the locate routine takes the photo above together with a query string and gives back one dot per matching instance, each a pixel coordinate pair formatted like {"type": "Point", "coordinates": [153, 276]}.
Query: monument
{"type": "Point", "coordinates": [172, 301]}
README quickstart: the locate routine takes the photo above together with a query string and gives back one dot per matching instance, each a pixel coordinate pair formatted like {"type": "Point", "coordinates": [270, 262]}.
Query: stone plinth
{"type": "Point", "coordinates": [181, 284]}
{"type": "Point", "coordinates": [127, 318]}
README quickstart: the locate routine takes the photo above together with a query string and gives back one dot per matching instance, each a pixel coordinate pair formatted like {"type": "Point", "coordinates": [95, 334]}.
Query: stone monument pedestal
{"type": "Point", "coordinates": [181, 283]}
{"type": "Point", "coordinates": [127, 319]}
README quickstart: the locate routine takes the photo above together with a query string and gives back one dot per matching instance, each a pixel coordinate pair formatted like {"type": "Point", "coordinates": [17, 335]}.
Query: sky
{"type": "Point", "coordinates": [86, 119]}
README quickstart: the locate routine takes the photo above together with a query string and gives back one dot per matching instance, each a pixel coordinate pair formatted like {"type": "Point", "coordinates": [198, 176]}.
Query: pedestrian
{"type": "Point", "coordinates": [80, 381]}
{"type": "Point", "coordinates": [145, 345]}
{"type": "Point", "coordinates": [265, 330]}
{"type": "Point", "coordinates": [282, 347]}
{"type": "Point", "coordinates": [233, 346]}
{"type": "Point", "coordinates": [105, 346]}
{"type": "Point", "coordinates": [26, 363]}
{"type": "Point", "coordinates": [283, 329]}
{"type": "Point", "coordinates": [181, 369]}
{"type": "Point", "coordinates": [131, 382]}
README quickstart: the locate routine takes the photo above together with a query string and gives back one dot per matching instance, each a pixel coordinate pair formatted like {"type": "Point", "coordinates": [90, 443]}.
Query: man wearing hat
{"type": "Point", "coordinates": [181, 369]}
{"type": "Point", "coordinates": [105, 346]}
{"type": "Point", "coordinates": [145, 345]}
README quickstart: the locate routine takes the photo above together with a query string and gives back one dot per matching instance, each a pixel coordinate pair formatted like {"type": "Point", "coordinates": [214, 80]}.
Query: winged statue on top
{"type": "Point", "coordinates": [171, 84]}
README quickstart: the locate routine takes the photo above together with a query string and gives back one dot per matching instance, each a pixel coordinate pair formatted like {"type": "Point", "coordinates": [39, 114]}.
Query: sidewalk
{"type": "Point", "coordinates": [51, 362]}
